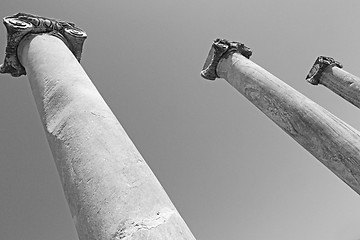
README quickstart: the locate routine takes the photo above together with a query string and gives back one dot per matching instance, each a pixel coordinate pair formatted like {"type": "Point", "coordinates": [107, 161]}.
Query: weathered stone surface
{"type": "Point", "coordinates": [326, 137]}
{"type": "Point", "coordinates": [21, 24]}
{"type": "Point", "coordinates": [320, 65]}
{"type": "Point", "coordinates": [111, 191]}
{"type": "Point", "coordinates": [344, 84]}
{"type": "Point", "coordinates": [220, 48]}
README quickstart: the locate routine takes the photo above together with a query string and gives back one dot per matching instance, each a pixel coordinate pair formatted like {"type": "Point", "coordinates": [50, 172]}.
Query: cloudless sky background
{"type": "Point", "coordinates": [230, 171]}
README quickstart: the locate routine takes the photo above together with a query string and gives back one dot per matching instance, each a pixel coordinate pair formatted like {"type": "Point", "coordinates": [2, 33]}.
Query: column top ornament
{"type": "Point", "coordinates": [21, 24]}
{"type": "Point", "coordinates": [221, 48]}
{"type": "Point", "coordinates": [319, 67]}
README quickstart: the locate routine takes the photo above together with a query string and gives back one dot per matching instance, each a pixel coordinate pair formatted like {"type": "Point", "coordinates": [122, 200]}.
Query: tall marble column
{"type": "Point", "coordinates": [111, 191]}
{"type": "Point", "coordinates": [326, 137]}
{"type": "Point", "coordinates": [329, 73]}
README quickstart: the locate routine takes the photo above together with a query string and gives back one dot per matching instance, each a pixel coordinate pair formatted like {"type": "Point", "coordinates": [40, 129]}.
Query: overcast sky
{"type": "Point", "coordinates": [230, 171]}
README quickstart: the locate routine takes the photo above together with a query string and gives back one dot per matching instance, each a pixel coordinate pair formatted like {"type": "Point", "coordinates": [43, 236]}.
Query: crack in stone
{"type": "Point", "coordinates": [128, 228]}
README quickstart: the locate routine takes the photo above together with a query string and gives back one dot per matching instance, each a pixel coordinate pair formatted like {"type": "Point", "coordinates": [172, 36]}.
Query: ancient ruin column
{"type": "Point", "coordinates": [326, 71]}
{"type": "Point", "coordinates": [326, 137]}
{"type": "Point", "coordinates": [111, 191]}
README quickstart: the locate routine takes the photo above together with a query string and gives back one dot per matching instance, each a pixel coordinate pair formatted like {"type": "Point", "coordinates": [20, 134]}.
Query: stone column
{"type": "Point", "coordinates": [111, 191]}
{"type": "Point", "coordinates": [326, 71]}
{"type": "Point", "coordinates": [326, 137]}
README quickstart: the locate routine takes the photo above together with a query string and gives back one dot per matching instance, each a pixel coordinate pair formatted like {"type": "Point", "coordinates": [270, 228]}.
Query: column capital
{"type": "Point", "coordinates": [319, 67]}
{"type": "Point", "coordinates": [219, 49]}
{"type": "Point", "coordinates": [21, 24]}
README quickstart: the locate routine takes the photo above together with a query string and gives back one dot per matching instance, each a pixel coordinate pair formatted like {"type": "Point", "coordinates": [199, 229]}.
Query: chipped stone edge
{"type": "Point", "coordinates": [128, 228]}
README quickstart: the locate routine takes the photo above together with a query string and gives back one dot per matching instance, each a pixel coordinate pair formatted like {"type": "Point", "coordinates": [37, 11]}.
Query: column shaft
{"type": "Point", "coordinates": [342, 83]}
{"type": "Point", "coordinates": [111, 192]}
{"type": "Point", "coordinates": [326, 137]}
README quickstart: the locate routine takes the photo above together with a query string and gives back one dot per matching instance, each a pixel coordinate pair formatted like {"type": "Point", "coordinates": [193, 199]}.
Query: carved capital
{"type": "Point", "coordinates": [319, 67]}
{"type": "Point", "coordinates": [219, 49]}
{"type": "Point", "coordinates": [21, 24]}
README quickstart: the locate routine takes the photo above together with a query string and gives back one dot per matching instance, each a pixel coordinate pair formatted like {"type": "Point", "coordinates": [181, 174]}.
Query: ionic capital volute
{"type": "Point", "coordinates": [319, 67]}
{"type": "Point", "coordinates": [221, 48]}
{"type": "Point", "coordinates": [21, 24]}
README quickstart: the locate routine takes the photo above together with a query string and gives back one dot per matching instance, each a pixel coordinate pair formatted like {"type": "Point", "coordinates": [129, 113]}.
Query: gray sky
{"type": "Point", "coordinates": [230, 171]}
